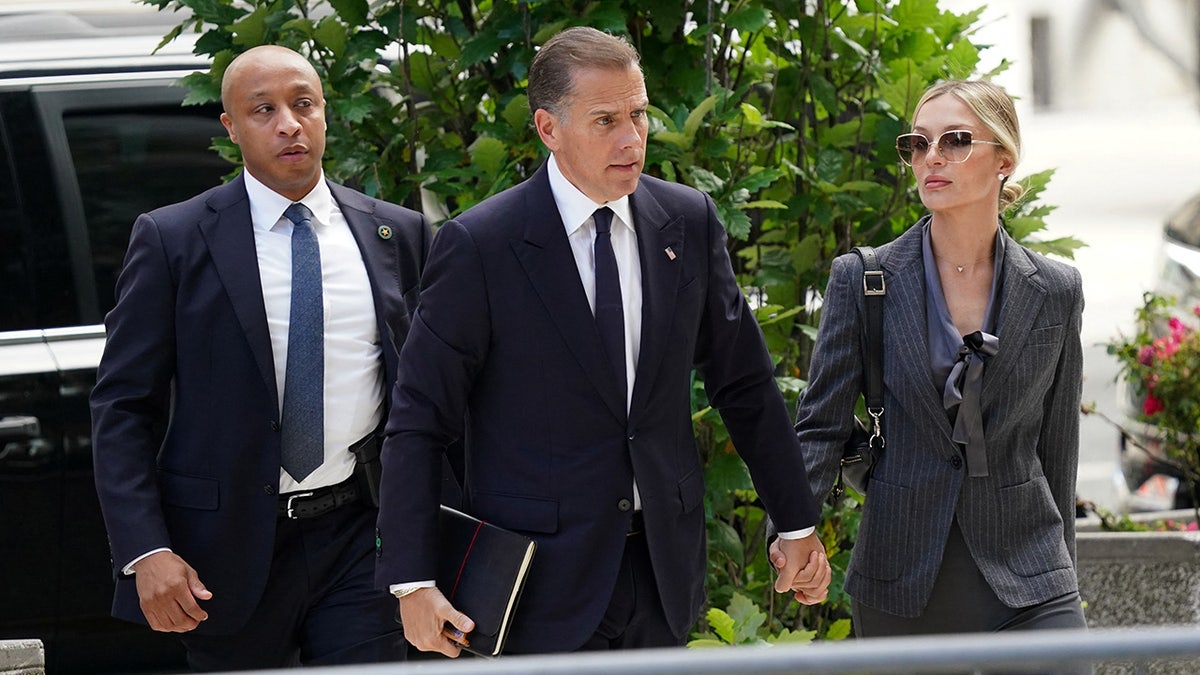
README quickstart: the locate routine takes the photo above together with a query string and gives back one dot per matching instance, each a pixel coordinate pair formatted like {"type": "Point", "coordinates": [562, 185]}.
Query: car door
{"type": "Point", "coordinates": [83, 157]}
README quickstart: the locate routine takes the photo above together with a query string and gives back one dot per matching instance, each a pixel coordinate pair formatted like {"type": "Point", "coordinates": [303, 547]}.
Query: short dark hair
{"type": "Point", "coordinates": [553, 67]}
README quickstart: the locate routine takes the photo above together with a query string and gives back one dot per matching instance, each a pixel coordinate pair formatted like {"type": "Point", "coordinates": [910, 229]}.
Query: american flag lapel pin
{"type": "Point", "coordinates": [669, 252]}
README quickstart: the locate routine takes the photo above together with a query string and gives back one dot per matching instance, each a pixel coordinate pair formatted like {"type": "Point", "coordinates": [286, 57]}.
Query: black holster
{"type": "Point", "coordinates": [368, 469]}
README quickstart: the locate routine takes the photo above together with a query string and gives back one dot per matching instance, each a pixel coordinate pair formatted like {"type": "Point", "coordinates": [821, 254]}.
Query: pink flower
{"type": "Point", "coordinates": [1152, 406]}
{"type": "Point", "coordinates": [1178, 329]}
{"type": "Point", "coordinates": [1146, 355]}
{"type": "Point", "coordinates": [1165, 347]}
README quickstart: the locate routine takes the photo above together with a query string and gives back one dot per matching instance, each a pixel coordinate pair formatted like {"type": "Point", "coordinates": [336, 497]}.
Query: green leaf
{"type": "Point", "coordinates": [724, 540]}
{"type": "Point", "coordinates": [674, 138]}
{"type": "Point", "coordinates": [696, 117]}
{"type": "Point", "coordinates": [481, 48]}
{"type": "Point", "coordinates": [331, 34]}
{"type": "Point", "coordinates": [707, 642]}
{"type": "Point", "coordinates": [722, 624]}
{"type": "Point", "coordinates": [757, 179]}
{"type": "Point", "coordinates": [747, 618]}
{"type": "Point", "coordinates": [355, 109]}
{"type": "Point", "coordinates": [753, 116]}
{"type": "Point", "coordinates": [251, 30]}
{"type": "Point", "coordinates": [201, 89]}
{"type": "Point", "coordinates": [516, 113]}
{"type": "Point", "coordinates": [737, 223]}
{"type": "Point", "coordinates": [444, 45]}
{"type": "Point", "coordinates": [488, 154]}
{"type": "Point", "coordinates": [175, 32]}
{"type": "Point", "coordinates": [763, 204]}
{"type": "Point", "coordinates": [748, 19]}
{"type": "Point", "coordinates": [725, 473]}
{"type": "Point", "coordinates": [838, 630]}
{"type": "Point", "coordinates": [705, 180]}
{"type": "Point", "coordinates": [354, 12]}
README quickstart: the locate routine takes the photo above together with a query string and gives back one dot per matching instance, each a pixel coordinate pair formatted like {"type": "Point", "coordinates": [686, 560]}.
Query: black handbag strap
{"type": "Point", "coordinates": [874, 290]}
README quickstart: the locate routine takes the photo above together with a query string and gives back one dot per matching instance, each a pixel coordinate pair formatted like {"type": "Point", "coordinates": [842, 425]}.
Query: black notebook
{"type": "Point", "coordinates": [481, 571]}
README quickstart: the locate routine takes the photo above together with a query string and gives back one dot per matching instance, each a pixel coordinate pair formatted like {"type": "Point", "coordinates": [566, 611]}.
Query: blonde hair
{"type": "Point", "coordinates": [994, 108]}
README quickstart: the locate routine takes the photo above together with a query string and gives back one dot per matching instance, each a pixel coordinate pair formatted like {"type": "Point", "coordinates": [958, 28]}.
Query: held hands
{"type": "Point", "coordinates": [810, 583]}
{"type": "Point", "coordinates": [432, 624]}
{"type": "Point", "coordinates": [168, 589]}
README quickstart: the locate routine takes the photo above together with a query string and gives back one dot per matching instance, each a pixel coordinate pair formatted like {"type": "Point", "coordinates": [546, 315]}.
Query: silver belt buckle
{"type": "Point", "coordinates": [291, 514]}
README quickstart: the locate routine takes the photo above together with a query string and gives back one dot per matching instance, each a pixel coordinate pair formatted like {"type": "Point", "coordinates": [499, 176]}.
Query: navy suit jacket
{"type": "Point", "coordinates": [185, 410]}
{"type": "Point", "coordinates": [504, 353]}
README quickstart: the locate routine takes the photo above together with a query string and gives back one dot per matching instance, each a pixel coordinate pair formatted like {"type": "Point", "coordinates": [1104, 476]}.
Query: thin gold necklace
{"type": "Point", "coordinates": [960, 268]}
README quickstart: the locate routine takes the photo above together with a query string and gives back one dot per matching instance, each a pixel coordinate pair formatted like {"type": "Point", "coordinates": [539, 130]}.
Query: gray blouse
{"type": "Point", "coordinates": [959, 360]}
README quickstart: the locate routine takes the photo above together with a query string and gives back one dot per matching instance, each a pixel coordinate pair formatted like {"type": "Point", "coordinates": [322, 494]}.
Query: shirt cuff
{"type": "Point", "coordinates": [797, 534]}
{"type": "Point", "coordinates": [401, 590]}
{"type": "Point", "coordinates": [128, 569]}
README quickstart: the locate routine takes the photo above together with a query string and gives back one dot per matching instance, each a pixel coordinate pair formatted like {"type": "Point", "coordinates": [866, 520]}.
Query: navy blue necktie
{"type": "Point", "coordinates": [610, 317]}
{"type": "Point", "coordinates": [304, 383]}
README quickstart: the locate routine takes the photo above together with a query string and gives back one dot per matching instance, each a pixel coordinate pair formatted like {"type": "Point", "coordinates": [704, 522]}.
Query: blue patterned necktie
{"type": "Point", "coordinates": [304, 383]}
{"type": "Point", "coordinates": [610, 317]}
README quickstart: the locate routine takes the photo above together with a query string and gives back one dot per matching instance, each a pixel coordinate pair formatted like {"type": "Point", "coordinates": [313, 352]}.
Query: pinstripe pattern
{"type": "Point", "coordinates": [1019, 521]}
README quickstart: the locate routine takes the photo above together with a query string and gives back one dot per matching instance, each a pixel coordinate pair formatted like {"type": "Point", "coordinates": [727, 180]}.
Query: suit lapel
{"type": "Point", "coordinates": [229, 234]}
{"type": "Point", "coordinates": [656, 231]}
{"type": "Point", "coordinates": [545, 255]}
{"type": "Point", "coordinates": [906, 359]}
{"type": "Point", "coordinates": [1021, 299]}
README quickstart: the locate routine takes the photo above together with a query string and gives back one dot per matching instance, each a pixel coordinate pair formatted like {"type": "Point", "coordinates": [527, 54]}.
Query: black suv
{"type": "Point", "coordinates": [92, 133]}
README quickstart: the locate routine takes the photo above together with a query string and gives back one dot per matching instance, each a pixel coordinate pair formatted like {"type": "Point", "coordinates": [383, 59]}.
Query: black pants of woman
{"type": "Point", "coordinates": [963, 602]}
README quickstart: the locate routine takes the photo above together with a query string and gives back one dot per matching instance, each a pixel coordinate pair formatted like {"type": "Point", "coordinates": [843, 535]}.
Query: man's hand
{"type": "Point", "coordinates": [168, 589]}
{"type": "Point", "coordinates": [425, 613]}
{"type": "Point", "coordinates": [810, 583]}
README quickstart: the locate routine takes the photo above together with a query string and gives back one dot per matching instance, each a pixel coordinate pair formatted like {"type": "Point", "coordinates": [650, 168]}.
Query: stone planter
{"type": "Point", "coordinates": [1139, 578]}
{"type": "Point", "coordinates": [1130, 579]}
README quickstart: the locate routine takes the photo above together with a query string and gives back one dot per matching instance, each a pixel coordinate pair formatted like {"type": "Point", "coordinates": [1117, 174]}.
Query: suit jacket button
{"type": "Point", "coordinates": [956, 462]}
{"type": "Point", "coordinates": [274, 425]}
{"type": "Point", "coordinates": [269, 489]}
{"type": "Point", "coordinates": [624, 505]}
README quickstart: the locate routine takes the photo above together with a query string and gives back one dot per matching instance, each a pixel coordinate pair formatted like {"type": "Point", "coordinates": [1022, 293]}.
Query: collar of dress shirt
{"type": "Point", "coordinates": [576, 208]}
{"type": "Point", "coordinates": [267, 206]}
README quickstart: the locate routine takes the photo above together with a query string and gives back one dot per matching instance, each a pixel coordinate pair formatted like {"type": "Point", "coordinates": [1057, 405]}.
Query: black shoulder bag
{"type": "Point", "coordinates": [865, 445]}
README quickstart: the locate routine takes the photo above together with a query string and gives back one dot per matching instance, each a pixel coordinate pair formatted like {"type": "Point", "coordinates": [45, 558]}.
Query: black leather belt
{"type": "Point", "coordinates": [636, 525]}
{"type": "Point", "coordinates": [318, 502]}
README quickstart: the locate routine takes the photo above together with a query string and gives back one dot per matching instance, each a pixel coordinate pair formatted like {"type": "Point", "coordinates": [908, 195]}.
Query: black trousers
{"type": "Point", "coordinates": [635, 618]}
{"type": "Point", "coordinates": [964, 602]}
{"type": "Point", "coordinates": [320, 606]}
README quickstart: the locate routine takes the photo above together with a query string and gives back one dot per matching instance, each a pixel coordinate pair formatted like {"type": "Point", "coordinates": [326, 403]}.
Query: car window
{"type": "Point", "coordinates": [14, 273]}
{"type": "Point", "coordinates": [131, 162]}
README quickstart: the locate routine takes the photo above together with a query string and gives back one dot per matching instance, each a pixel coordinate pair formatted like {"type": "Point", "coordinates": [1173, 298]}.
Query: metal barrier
{"type": "Point", "coordinates": [1175, 649]}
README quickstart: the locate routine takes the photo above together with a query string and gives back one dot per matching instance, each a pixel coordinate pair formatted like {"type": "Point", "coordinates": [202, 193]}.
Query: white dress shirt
{"type": "Point", "coordinates": [353, 354]}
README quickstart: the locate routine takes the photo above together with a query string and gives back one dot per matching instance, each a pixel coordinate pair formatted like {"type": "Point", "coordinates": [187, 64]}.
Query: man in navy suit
{"type": "Point", "coordinates": [233, 519]}
{"type": "Point", "coordinates": [559, 324]}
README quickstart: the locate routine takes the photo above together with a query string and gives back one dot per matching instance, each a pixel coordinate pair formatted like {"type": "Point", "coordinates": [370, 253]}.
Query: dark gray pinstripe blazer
{"type": "Point", "coordinates": [1019, 521]}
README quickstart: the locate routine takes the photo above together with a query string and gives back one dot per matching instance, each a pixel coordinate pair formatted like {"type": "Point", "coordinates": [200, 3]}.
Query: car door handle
{"type": "Point", "coordinates": [19, 428]}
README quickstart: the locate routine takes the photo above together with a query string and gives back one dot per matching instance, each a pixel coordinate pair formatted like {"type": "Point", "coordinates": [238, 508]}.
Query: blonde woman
{"type": "Point", "coordinates": [969, 525]}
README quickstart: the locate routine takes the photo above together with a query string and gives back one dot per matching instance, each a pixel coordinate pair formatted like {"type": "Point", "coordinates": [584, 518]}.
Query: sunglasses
{"type": "Point", "coordinates": [954, 146]}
